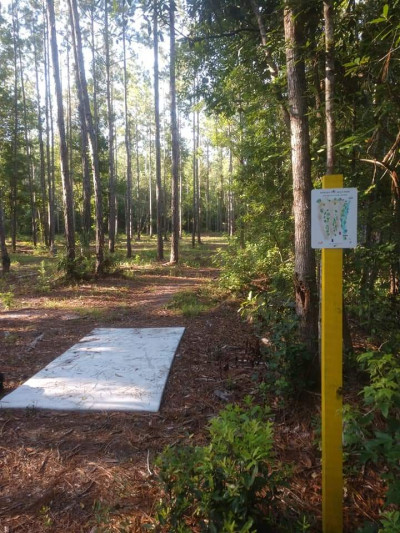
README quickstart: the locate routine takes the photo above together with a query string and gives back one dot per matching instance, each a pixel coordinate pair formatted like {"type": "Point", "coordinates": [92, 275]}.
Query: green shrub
{"type": "Point", "coordinates": [83, 266]}
{"type": "Point", "coordinates": [191, 303]}
{"type": "Point", "coordinates": [287, 362]}
{"type": "Point", "coordinates": [7, 299]}
{"type": "Point", "coordinates": [228, 485]}
{"type": "Point", "coordinates": [258, 266]}
{"type": "Point", "coordinates": [372, 434]}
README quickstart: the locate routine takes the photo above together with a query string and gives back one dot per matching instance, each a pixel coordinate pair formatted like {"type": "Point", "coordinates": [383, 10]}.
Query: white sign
{"type": "Point", "coordinates": [334, 218]}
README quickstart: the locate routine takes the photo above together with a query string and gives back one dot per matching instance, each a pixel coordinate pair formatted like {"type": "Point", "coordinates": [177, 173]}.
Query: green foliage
{"type": "Point", "coordinates": [46, 517]}
{"type": "Point", "coordinates": [367, 291]}
{"type": "Point", "coordinates": [83, 266]}
{"type": "Point", "coordinates": [7, 299]}
{"type": "Point", "coordinates": [286, 359]}
{"type": "Point", "coordinates": [390, 522]}
{"type": "Point", "coordinates": [43, 279]}
{"type": "Point", "coordinates": [191, 303]}
{"type": "Point", "coordinates": [373, 434]}
{"type": "Point", "coordinates": [383, 394]}
{"type": "Point", "coordinates": [226, 486]}
{"type": "Point", "coordinates": [257, 264]}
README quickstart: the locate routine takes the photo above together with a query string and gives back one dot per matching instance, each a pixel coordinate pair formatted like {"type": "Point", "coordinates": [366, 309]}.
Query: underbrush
{"type": "Point", "coordinates": [372, 430]}
{"type": "Point", "coordinates": [193, 303]}
{"type": "Point", "coordinates": [372, 424]}
{"type": "Point", "coordinates": [286, 370]}
{"type": "Point", "coordinates": [230, 485]}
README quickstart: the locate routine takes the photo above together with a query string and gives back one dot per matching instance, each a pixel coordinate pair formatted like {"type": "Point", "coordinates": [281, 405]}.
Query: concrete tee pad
{"type": "Point", "coordinates": [111, 369]}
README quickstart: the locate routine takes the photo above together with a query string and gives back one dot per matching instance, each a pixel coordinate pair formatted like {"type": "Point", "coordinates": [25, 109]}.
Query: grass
{"type": "Point", "coordinates": [192, 303]}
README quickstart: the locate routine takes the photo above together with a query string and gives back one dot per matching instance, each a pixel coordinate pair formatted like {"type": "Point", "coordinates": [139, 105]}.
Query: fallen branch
{"type": "Point", "coordinates": [33, 344]}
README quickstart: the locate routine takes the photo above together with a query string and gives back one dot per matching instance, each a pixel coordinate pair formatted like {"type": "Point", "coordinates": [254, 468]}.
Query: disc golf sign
{"type": "Point", "coordinates": [333, 227]}
{"type": "Point", "coordinates": [334, 218]}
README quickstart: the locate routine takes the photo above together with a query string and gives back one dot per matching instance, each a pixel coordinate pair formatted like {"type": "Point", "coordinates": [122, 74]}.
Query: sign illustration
{"type": "Point", "coordinates": [334, 218]}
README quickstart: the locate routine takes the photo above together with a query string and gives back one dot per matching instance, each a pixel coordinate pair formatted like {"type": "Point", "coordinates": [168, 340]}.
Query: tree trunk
{"type": "Point", "coordinates": [138, 209]}
{"type": "Point", "coordinates": [150, 190]}
{"type": "Point", "coordinates": [110, 120]}
{"type": "Point", "coordinates": [194, 226]}
{"type": "Point", "coordinates": [128, 204]}
{"type": "Point", "coordinates": [84, 98]}
{"type": "Point", "coordinates": [5, 258]}
{"type": "Point", "coordinates": [208, 189]}
{"type": "Point", "coordinates": [198, 184]}
{"type": "Point", "coordinates": [160, 244]}
{"type": "Point", "coordinates": [329, 87]}
{"type": "Point", "coordinates": [44, 218]}
{"type": "Point", "coordinates": [14, 173]}
{"type": "Point", "coordinates": [86, 188]}
{"type": "Point", "coordinates": [29, 160]}
{"type": "Point", "coordinates": [230, 197]}
{"type": "Point", "coordinates": [175, 142]}
{"type": "Point", "coordinates": [49, 136]}
{"type": "Point", "coordinates": [180, 181]}
{"type": "Point", "coordinates": [94, 77]}
{"type": "Point", "coordinates": [65, 177]}
{"type": "Point", "coordinates": [304, 273]}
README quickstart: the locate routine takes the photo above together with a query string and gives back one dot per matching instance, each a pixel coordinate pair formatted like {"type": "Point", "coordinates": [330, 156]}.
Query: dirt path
{"type": "Point", "coordinates": [70, 472]}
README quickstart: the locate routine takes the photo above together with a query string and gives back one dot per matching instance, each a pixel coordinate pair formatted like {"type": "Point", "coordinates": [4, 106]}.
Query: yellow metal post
{"type": "Point", "coordinates": [331, 367]}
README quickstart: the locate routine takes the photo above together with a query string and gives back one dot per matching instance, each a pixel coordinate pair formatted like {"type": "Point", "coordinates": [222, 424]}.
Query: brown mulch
{"type": "Point", "coordinates": [86, 472]}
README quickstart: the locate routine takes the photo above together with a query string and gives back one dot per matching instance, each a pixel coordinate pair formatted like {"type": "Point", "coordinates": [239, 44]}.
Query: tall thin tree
{"type": "Point", "coordinates": [159, 195]}
{"type": "Point", "coordinates": [175, 141]}
{"type": "Point", "coordinates": [49, 134]}
{"type": "Point", "coordinates": [65, 176]}
{"type": "Point", "coordinates": [304, 268]}
{"type": "Point", "coordinates": [88, 119]}
{"type": "Point", "coordinates": [5, 258]}
{"type": "Point", "coordinates": [42, 171]}
{"type": "Point", "coordinates": [110, 121]}
{"type": "Point", "coordinates": [128, 144]}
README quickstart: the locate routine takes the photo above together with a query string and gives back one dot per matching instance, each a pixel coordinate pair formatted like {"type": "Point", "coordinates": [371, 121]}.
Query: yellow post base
{"type": "Point", "coordinates": [331, 368]}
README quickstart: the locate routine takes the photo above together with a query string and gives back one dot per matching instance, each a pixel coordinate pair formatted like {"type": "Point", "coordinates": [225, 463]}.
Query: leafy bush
{"type": "Point", "coordinates": [228, 485]}
{"type": "Point", "coordinates": [258, 266]}
{"type": "Point", "coordinates": [286, 359]}
{"type": "Point", "coordinates": [83, 266]}
{"type": "Point", "coordinates": [7, 299]}
{"type": "Point", "coordinates": [367, 291]}
{"type": "Point", "coordinates": [373, 433]}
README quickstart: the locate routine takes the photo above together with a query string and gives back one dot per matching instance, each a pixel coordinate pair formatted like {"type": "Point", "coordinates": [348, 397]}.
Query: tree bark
{"type": "Point", "coordinates": [138, 207]}
{"type": "Point", "coordinates": [44, 218]}
{"type": "Point", "coordinates": [329, 87]}
{"type": "Point", "coordinates": [231, 214]}
{"type": "Point", "coordinates": [28, 154]}
{"type": "Point", "coordinates": [175, 142]}
{"type": "Point", "coordinates": [110, 120]}
{"type": "Point", "coordinates": [49, 136]}
{"type": "Point", "coordinates": [208, 188]}
{"type": "Point", "coordinates": [5, 258]}
{"type": "Point", "coordinates": [194, 182]}
{"type": "Point", "coordinates": [198, 181]}
{"type": "Point", "coordinates": [304, 267]}
{"type": "Point", "coordinates": [128, 202]}
{"type": "Point", "coordinates": [86, 188]}
{"type": "Point", "coordinates": [160, 244]}
{"type": "Point", "coordinates": [14, 173]}
{"type": "Point", "coordinates": [65, 176]}
{"type": "Point", "coordinates": [84, 98]}
{"type": "Point", "coordinates": [150, 189]}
